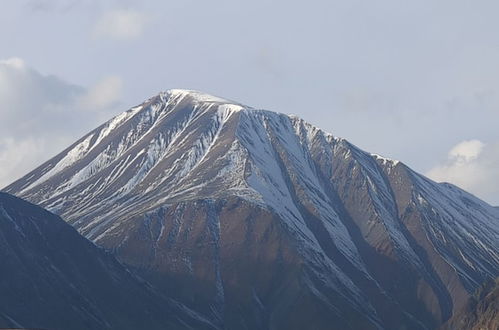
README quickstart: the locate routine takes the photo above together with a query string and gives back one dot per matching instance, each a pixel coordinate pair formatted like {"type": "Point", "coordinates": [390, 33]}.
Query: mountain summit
{"type": "Point", "coordinates": [265, 221]}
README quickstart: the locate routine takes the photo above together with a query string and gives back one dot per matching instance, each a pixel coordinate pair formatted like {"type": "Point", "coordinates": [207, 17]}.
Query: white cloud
{"type": "Point", "coordinates": [466, 151]}
{"type": "Point", "coordinates": [473, 166]}
{"type": "Point", "coordinates": [17, 157]}
{"type": "Point", "coordinates": [40, 115]}
{"type": "Point", "coordinates": [14, 62]}
{"type": "Point", "coordinates": [121, 24]}
{"type": "Point", "coordinates": [103, 94]}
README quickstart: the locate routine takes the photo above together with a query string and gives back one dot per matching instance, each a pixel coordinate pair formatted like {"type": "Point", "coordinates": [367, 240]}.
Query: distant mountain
{"type": "Point", "coordinates": [481, 312]}
{"type": "Point", "coordinates": [53, 278]}
{"type": "Point", "coordinates": [264, 221]}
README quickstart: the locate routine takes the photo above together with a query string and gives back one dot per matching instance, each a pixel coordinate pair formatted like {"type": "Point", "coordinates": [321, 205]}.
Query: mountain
{"type": "Point", "coordinates": [264, 221]}
{"type": "Point", "coordinates": [481, 311]}
{"type": "Point", "coordinates": [53, 278]}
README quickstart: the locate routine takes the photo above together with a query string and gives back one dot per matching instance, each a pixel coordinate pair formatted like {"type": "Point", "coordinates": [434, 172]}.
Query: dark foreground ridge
{"type": "Point", "coordinates": [53, 278]}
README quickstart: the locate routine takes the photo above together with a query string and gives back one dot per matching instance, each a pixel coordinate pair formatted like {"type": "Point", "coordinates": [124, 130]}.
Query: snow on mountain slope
{"type": "Point", "coordinates": [177, 162]}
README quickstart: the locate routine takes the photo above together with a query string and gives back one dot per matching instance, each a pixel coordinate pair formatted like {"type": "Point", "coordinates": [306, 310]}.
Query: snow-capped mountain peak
{"type": "Point", "coordinates": [185, 159]}
{"type": "Point", "coordinates": [198, 96]}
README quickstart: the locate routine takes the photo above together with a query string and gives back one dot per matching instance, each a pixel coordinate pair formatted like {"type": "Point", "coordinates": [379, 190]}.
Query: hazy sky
{"type": "Point", "coordinates": [413, 80]}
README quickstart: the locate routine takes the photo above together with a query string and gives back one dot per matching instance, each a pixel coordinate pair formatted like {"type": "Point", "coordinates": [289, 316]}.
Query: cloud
{"type": "Point", "coordinates": [473, 166]}
{"type": "Point", "coordinates": [466, 151]}
{"type": "Point", "coordinates": [104, 94]}
{"type": "Point", "coordinates": [14, 62]}
{"type": "Point", "coordinates": [27, 97]}
{"type": "Point", "coordinates": [42, 114]}
{"type": "Point", "coordinates": [121, 24]}
{"type": "Point", "coordinates": [18, 156]}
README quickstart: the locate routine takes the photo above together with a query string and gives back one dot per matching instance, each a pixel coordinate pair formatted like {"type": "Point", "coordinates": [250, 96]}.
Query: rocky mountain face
{"type": "Point", "coordinates": [53, 278]}
{"type": "Point", "coordinates": [481, 312]}
{"type": "Point", "coordinates": [264, 221]}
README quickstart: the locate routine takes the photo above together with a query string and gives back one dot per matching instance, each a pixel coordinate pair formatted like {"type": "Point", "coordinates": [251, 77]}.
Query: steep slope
{"type": "Point", "coordinates": [268, 220]}
{"type": "Point", "coordinates": [481, 312]}
{"type": "Point", "coordinates": [53, 278]}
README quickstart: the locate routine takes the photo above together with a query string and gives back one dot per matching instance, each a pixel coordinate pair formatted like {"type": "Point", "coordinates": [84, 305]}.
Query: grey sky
{"type": "Point", "coordinates": [406, 79]}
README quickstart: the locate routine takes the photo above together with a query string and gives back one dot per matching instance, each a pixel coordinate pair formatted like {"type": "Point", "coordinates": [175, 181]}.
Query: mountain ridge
{"type": "Point", "coordinates": [186, 167]}
{"type": "Point", "coordinates": [53, 278]}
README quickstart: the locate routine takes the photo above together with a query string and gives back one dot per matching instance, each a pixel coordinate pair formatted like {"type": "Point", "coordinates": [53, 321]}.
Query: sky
{"type": "Point", "coordinates": [416, 81]}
